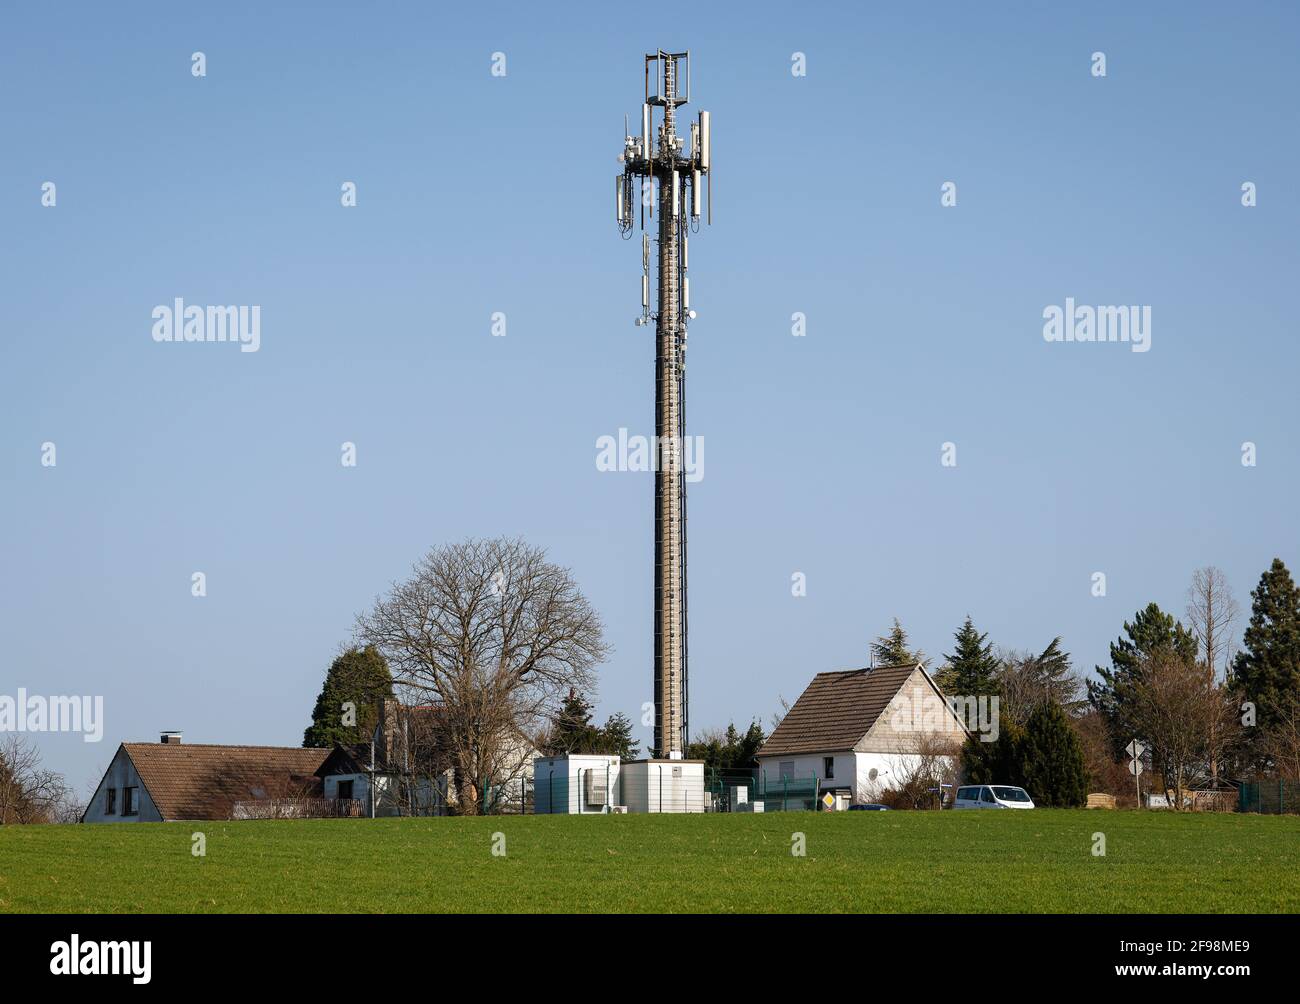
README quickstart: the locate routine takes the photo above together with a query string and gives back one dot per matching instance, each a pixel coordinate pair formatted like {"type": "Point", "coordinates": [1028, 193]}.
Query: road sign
{"type": "Point", "coordinates": [828, 800]}
{"type": "Point", "coordinates": [1135, 749]}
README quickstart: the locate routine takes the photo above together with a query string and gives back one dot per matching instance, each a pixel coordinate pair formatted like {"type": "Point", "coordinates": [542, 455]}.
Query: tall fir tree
{"type": "Point", "coordinates": [347, 708]}
{"type": "Point", "coordinates": [893, 649]}
{"type": "Point", "coordinates": [1055, 675]}
{"type": "Point", "coordinates": [972, 667]}
{"type": "Point", "coordinates": [1151, 633]}
{"type": "Point", "coordinates": [616, 737]}
{"type": "Point", "coordinates": [576, 733]}
{"type": "Point", "coordinates": [1268, 670]}
{"type": "Point", "coordinates": [573, 731]}
{"type": "Point", "coordinates": [996, 762]}
{"type": "Point", "coordinates": [1052, 677]}
{"type": "Point", "coordinates": [1051, 758]}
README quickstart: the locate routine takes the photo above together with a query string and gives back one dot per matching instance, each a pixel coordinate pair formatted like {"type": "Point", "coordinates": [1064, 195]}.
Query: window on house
{"type": "Point", "coordinates": [345, 789]}
{"type": "Point", "coordinates": [129, 806]}
{"type": "Point", "coordinates": [828, 766]}
{"type": "Point", "coordinates": [110, 802]}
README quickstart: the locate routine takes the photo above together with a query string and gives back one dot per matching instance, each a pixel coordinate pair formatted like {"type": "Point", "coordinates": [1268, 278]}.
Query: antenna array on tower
{"type": "Point", "coordinates": [657, 168]}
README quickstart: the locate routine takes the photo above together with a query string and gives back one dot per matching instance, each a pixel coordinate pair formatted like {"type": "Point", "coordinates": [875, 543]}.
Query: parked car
{"type": "Point", "coordinates": [992, 796]}
{"type": "Point", "coordinates": [869, 805]}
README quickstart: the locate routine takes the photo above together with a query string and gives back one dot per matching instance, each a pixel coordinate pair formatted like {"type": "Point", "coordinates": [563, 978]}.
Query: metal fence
{"type": "Point", "coordinates": [610, 787]}
{"type": "Point", "coordinates": [732, 790]}
{"type": "Point", "coordinates": [1269, 796]}
{"type": "Point", "coordinates": [783, 793]}
{"type": "Point", "coordinates": [514, 798]}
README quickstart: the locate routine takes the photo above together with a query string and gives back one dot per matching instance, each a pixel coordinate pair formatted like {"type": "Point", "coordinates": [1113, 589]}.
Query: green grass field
{"type": "Point", "coordinates": [1039, 861]}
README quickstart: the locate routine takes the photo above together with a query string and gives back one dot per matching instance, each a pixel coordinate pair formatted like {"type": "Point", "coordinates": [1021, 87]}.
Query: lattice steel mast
{"type": "Point", "coordinates": [672, 174]}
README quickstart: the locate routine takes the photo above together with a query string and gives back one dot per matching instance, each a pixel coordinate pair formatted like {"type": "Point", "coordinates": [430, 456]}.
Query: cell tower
{"type": "Point", "coordinates": [658, 155]}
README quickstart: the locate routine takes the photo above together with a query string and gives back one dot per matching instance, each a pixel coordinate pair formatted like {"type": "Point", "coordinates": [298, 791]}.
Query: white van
{"type": "Point", "coordinates": [992, 796]}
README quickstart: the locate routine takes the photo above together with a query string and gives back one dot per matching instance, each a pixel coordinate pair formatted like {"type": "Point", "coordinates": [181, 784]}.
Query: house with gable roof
{"type": "Point", "coordinates": [857, 731]}
{"type": "Point", "coordinates": [170, 780]}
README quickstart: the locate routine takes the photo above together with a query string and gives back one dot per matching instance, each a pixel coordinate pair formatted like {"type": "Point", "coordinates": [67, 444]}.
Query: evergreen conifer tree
{"type": "Point", "coordinates": [1051, 757]}
{"type": "Point", "coordinates": [1268, 670]}
{"type": "Point", "coordinates": [347, 708]}
{"type": "Point", "coordinates": [972, 667]}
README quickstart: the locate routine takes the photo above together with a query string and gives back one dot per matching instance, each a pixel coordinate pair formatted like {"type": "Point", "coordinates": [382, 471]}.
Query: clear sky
{"type": "Point", "coordinates": [478, 194]}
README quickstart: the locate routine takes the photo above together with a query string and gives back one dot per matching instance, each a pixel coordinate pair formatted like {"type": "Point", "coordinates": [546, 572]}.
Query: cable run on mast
{"type": "Point", "coordinates": [659, 164]}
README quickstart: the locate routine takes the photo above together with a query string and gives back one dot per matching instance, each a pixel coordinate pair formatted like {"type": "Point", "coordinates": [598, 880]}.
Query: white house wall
{"type": "Point", "coordinates": [360, 785]}
{"type": "Point", "coordinates": [892, 770]}
{"type": "Point", "coordinates": [805, 765]}
{"type": "Point", "coordinates": [429, 796]}
{"type": "Point", "coordinates": [121, 774]}
{"type": "Point", "coordinates": [852, 771]}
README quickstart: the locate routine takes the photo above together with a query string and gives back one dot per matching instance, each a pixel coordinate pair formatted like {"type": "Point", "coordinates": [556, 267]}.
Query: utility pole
{"type": "Point", "coordinates": [666, 168]}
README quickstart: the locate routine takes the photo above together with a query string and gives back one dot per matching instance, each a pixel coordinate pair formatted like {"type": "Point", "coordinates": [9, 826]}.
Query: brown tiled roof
{"type": "Point", "coordinates": [194, 781]}
{"type": "Point", "coordinates": [836, 710]}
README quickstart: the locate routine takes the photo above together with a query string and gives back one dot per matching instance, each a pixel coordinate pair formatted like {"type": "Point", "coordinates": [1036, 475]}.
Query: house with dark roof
{"type": "Point", "coordinates": [407, 769]}
{"type": "Point", "coordinates": [859, 731]}
{"type": "Point", "coordinates": [170, 780]}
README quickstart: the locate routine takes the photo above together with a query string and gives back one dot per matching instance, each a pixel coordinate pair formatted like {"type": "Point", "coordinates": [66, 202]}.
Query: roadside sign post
{"type": "Point", "coordinates": [1135, 749]}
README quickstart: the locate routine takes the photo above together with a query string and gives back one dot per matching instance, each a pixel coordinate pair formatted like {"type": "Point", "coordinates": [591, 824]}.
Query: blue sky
{"type": "Point", "coordinates": [479, 194]}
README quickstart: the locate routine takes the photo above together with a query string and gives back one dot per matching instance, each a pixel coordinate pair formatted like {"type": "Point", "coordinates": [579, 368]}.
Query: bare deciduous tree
{"type": "Point", "coordinates": [67, 808]}
{"type": "Point", "coordinates": [782, 709]}
{"type": "Point", "coordinates": [1176, 710]}
{"type": "Point", "coordinates": [1104, 773]}
{"type": "Point", "coordinates": [915, 780]}
{"type": "Point", "coordinates": [1282, 740]}
{"type": "Point", "coordinates": [493, 635]}
{"type": "Point", "coordinates": [28, 792]}
{"type": "Point", "coordinates": [1211, 612]}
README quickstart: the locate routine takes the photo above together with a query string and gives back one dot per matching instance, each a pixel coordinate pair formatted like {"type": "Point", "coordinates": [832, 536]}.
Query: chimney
{"type": "Point", "coordinates": [170, 739]}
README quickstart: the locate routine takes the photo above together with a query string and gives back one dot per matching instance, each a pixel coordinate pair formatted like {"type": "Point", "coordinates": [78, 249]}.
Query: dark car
{"type": "Point", "coordinates": [870, 805]}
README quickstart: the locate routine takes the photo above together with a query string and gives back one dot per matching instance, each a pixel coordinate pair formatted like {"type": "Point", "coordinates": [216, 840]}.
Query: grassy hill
{"type": "Point", "coordinates": [1038, 861]}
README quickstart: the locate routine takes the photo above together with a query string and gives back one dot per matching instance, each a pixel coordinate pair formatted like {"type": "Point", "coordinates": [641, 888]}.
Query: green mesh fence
{"type": "Point", "coordinates": [1269, 796]}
